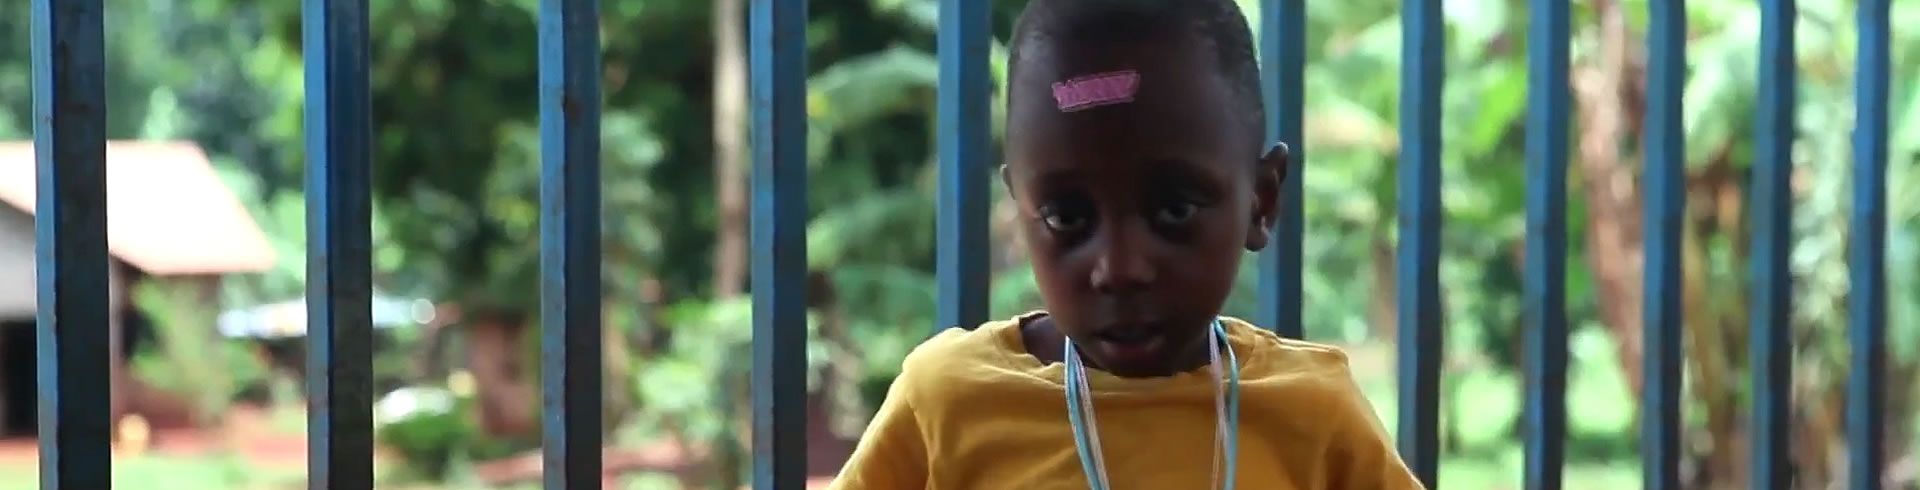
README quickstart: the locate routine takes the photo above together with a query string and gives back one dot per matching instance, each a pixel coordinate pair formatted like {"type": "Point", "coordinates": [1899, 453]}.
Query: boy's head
{"type": "Point", "coordinates": [1135, 150]}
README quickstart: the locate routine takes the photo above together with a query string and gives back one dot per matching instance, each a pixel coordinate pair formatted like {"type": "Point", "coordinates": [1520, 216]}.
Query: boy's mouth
{"type": "Point", "coordinates": [1130, 346]}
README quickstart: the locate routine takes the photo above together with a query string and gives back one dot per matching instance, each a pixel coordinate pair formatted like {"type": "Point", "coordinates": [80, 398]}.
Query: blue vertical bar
{"type": "Point", "coordinates": [70, 236]}
{"type": "Point", "coordinates": [1772, 281]}
{"type": "Point", "coordinates": [1665, 184]}
{"type": "Point", "coordinates": [570, 355]}
{"type": "Point", "coordinates": [777, 42]}
{"type": "Point", "coordinates": [1418, 280]}
{"type": "Point", "coordinates": [339, 246]}
{"type": "Point", "coordinates": [1283, 51]}
{"type": "Point", "coordinates": [1867, 299]}
{"type": "Point", "coordinates": [1548, 96]}
{"type": "Point", "coordinates": [965, 108]}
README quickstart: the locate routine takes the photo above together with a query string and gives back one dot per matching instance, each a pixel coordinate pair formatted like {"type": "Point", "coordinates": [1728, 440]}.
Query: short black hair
{"type": "Point", "coordinates": [1219, 23]}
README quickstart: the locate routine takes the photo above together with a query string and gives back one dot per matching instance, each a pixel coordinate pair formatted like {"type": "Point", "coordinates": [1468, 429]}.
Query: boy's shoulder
{"type": "Point", "coordinates": [959, 364]}
{"type": "Point", "coordinates": [1266, 347]}
{"type": "Point", "coordinates": [1312, 378]}
{"type": "Point", "coordinates": [1297, 369]}
{"type": "Point", "coordinates": [984, 345]}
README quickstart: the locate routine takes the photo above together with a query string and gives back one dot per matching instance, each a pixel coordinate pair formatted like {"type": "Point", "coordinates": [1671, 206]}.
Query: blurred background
{"type": "Point", "coordinates": [206, 100]}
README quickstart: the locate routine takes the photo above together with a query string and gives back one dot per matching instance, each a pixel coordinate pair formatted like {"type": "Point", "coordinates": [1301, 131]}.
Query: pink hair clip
{"type": "Point", "coordinates": [1100, 89]}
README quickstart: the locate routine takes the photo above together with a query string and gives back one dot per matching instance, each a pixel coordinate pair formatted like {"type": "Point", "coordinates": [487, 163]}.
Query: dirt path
{"type": "Point", "coordinates": [249, 433]}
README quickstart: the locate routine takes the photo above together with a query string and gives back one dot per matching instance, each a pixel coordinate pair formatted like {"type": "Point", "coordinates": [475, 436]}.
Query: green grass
{"type": "Point", "coordinates": [1505, 473]}
{"type": "Point", "coordinates": [173, 473]}
{"type": "Point", "coordinates": [1487, 405]}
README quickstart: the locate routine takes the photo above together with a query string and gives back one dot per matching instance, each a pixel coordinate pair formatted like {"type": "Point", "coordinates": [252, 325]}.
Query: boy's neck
{"type": "Point", "coordinates": [1045, 341]}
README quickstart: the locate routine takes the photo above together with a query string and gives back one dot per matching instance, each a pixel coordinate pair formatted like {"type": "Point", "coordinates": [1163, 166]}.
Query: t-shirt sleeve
{"type": "Point", "coordinates": [1361, 454]}
{"type": "Point", "coordinates": [892, 454]}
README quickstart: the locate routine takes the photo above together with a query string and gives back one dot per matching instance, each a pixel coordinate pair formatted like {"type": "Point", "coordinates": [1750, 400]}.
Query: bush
{"type": "Point", "coordinates": [430, 429]}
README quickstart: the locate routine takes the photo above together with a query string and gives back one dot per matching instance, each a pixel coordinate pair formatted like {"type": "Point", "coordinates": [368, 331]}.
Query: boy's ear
{"type": "Point", "coordinates": [1271, 172]}
{"type": "Point", "coordinates": [1006, 181]}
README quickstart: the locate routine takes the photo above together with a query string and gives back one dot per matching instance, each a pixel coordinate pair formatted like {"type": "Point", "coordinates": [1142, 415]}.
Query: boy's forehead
{"type": "Point", "coordinates": [1150, 100]}
{"type": "Point", "coordinates": [1170, 61]}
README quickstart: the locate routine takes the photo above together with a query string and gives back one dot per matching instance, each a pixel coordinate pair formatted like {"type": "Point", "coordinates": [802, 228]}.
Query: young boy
{"type": "Point", "coordinates": [1135, 152]}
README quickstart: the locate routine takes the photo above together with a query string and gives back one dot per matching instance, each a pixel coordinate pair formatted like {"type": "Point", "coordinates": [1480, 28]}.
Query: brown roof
{"type": "Point", "coordinates": [167, 212]}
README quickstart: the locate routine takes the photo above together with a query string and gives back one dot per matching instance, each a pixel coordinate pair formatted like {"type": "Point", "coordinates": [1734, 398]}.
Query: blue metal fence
{"type": "Point", "coordinates": [70, 156]}
{"type": "Point", "coordinates": [570, 355]}
{"type": "Point", "coordinates": [1548, 96]}
{"type": "Point", "coordinates": [69, 120]}
{"type": "Point", "coordinates": [1422, 74]}
{"type": "Point", "coordinates": [1664, 175]}
{"type": "Point", "coordinates": [1867, 298]}
{"type": "Point", "coordinates": [339, 244]}
{"type": "Point", "coordinates": [1283, 59]}
{"type": "Point", "coordinates": [1772, 201]}
{"type": "Point", "coordinates": [778, 69]}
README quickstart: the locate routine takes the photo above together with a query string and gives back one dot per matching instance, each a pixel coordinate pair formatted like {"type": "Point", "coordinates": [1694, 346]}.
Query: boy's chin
{"type": "Point", "coordinates": [1134, 357]}
{"type": "Point", "coordinates": [1158, 355]}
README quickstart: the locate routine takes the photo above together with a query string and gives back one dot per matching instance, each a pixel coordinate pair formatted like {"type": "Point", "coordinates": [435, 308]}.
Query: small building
{"type": "Point", "coordinates": [168, 215]}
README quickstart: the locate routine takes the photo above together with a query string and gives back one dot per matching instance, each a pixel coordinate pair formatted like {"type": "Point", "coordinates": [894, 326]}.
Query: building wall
{"type": "Point", "coordinates": [18, 299]}
{"type": "Point", "coordinates": [16, 263]}
{"type": "Point", "coordinates": [17, 276]}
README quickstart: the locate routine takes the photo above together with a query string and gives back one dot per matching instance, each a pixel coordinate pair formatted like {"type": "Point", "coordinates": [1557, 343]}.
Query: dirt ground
{"type": "Point", "coordinates": [250, 432]}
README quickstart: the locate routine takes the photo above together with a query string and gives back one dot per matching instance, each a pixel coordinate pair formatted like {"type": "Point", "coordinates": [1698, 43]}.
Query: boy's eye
{"type": "Point", "coordinates": [1175, 213]}
{"type": "Point", "coordinates": [1063, 221]}
{"type": "Point", "coordinates": [1064, 218]}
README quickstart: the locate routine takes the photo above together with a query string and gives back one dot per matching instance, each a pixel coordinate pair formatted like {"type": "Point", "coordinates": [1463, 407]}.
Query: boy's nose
{"type": "Point", "coordinates": [1122, 265]}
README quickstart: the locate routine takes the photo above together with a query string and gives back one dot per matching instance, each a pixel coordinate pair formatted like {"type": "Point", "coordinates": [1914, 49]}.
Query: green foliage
{"type": "Point", "coordinates": [1601, 418]}
{"type": "Point", "coordinates": [428, 443]}
{"type": "Point", "coordinates": [432, 432]}
{"type": "Point", "coordinates": [191, 359]}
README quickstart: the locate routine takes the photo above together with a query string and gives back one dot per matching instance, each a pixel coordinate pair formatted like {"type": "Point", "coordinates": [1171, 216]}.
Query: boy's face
{"type": "Point", "coordinates": [1136, 214]}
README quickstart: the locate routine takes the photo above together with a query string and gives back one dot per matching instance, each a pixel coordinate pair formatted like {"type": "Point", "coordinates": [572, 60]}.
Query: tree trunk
{"type": "Point", "coordinates": [1716, 321]}
{"type": "Point", "coordinates": [730, 149]}
{"type": "Point", "coordinates": [1903, 468]}
{"type": "Point", "coordinates": [507, 404]}
{"type": "Point", "coordinates": [617, 384]}
{"type": "Point", "coordinates": [731, 446]}
{"type": "Point", "coordinates": [1712, 370]}
{"type": "Point", "coordinates": [1607, 117]}
{"type": "Point", "coordinates": [1382, 307]}
{"type": "Point", "coordinates": [730, 187]}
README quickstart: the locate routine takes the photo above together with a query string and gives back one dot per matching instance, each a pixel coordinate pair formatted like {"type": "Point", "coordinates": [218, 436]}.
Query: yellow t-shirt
{"type": "Point", "coordinates": [973, 410]}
